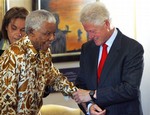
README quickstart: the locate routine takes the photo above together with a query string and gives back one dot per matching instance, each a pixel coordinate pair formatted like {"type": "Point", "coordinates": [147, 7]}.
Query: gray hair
{"type": "Point", "coordinates": [35, 19]}
{"type": "Point", "coordinates": [95, 13]}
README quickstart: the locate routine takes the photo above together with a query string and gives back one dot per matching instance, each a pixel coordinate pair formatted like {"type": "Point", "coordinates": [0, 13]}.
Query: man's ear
{"type": "Point", "coordinates": [107, 23]}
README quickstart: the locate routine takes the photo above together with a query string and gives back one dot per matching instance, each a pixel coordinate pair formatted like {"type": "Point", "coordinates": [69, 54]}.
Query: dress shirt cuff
{"type": "Point", "coordinates": [88, 108]}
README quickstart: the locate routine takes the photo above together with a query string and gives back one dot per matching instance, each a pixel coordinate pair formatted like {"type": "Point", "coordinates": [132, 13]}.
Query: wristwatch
{"type": "Point", "coordinates": [91, 93]}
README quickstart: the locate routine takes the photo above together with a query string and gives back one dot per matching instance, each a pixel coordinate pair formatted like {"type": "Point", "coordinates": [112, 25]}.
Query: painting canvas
{"type": "Point", "coordinates": [70, 34]}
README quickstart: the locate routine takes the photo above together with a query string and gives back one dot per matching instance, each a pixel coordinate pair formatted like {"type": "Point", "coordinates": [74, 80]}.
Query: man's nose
{"type": "Point", "coordinates": [52, 37]}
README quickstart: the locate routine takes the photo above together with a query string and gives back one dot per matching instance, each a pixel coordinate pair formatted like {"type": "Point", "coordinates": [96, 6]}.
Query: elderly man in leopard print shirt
{"type": "Point", "coordinates": [27, 68]}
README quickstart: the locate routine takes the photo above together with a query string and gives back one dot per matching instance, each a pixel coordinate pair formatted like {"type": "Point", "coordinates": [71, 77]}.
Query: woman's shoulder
{"type": "Point", "coordinates": [4, 44]}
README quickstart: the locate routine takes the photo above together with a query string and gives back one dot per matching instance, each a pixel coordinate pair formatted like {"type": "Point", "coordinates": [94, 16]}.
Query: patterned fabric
{"type": "Point", "coordinates": [24, 74]}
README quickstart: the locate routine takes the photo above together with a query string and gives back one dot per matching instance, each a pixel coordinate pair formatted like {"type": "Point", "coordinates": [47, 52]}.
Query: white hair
{"type": "Point", "coordinates": [95, 13]}
{"type": "Point", "coordinates": [35, 19]}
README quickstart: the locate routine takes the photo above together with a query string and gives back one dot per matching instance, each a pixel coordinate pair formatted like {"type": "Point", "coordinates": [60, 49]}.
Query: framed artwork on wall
{"type": "Point", "coordinates": [70, 34]}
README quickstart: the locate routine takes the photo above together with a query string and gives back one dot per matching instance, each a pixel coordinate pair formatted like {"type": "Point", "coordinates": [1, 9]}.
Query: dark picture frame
{"type": "Point", "coordinates": [70, 34]}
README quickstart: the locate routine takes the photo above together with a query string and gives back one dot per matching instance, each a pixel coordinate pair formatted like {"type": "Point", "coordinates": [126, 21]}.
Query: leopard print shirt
{"type": "Point", "coordinates": [24, 74]}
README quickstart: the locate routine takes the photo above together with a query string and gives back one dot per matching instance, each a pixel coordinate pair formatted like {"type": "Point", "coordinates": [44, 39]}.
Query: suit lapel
{"type": "Point", "coordinates": [93, 64]}
{"type": "Point", "coordinates": [111, 58]}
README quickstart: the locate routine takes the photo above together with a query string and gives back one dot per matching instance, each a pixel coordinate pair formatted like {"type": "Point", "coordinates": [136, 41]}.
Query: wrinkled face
{"type": "Point", "coordinates": [44, 36]}
{"type": "Point", "coordinates": [98, 33]}
{"type": "Point", "coordinates": [16, 29]}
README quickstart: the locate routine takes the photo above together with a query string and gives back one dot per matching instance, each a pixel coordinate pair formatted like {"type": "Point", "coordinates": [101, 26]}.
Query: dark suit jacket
{"type": "Point", "coordinates": [118, 90]}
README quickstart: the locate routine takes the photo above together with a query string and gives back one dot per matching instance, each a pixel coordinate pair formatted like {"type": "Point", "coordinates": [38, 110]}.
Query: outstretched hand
{"type": "Point", "coordinates": [81, 96]}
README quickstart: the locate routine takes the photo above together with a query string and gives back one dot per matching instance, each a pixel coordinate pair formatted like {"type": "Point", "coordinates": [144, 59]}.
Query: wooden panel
{"type": "Point", "coordinates": [1, 11]}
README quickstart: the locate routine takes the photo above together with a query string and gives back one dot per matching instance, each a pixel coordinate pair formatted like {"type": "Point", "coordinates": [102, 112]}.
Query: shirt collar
{"type": "Point", "coordinates": [110, 41]}
{"type": "Point", "coordinates": [32, 51]}
{"type": "Point", "coordinates": [28, 46]}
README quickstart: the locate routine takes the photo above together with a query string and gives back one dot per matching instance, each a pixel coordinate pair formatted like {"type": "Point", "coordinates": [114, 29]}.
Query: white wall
{"type": "Point", "coordinates": [22, 3]}
{"type": "Point", "coordinates": [143, 36]}
{"type": "Point", "coordinates": [122, 14]}
{"type": "Point", "coordinates": [133, 18]}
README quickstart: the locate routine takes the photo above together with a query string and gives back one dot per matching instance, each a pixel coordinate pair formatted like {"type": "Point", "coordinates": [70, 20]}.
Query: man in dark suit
{"type": "Point", "coordinates": [117, 92]}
